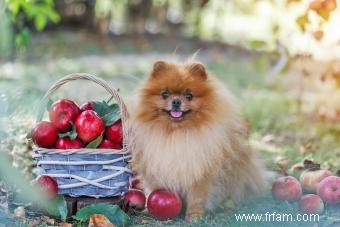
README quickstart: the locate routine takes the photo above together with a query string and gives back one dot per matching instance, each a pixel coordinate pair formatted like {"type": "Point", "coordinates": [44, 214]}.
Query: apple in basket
{"type": "Point", "coordinates": [62, 113]}
{"type": "Point", "coordinates": [114, 133]}
{"type": "Point", "coordinates": [164, 204]}
{"type": "Point", "coordinates": [67, 143]}
{"type": "Point", "coordinates": [107, 144]}
{"type": "Point", "coordinates": [44, 134]}
{"type": "Point", "coordinates": [86, 106]}
{"type": "Point", "coordinates": [89, 126]}
{"type": "Point", "coordinates": [48, 185]}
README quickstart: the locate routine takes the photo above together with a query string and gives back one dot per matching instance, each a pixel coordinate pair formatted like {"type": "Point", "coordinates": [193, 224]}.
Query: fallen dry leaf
{"type": "Point", "coordinates": [99, 220]}
{"type": "Point", "coordinates": [296, 167]}
{"type": "Point", "coordinates": [35, 223]}
{"type": "Point", "coordinates": [48, 220]}
{"type": "Point", "coordinates": [144, 222]}
{"type": "Point", "coordinates": [65, 225]}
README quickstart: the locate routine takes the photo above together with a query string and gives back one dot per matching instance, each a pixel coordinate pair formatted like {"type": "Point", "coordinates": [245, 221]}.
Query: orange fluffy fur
{"type": "Point", "coordinates": [204, 156]}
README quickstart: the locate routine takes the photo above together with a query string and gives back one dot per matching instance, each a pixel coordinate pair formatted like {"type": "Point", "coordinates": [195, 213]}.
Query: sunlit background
{"type": "Point", "coordinates": [281, 58]}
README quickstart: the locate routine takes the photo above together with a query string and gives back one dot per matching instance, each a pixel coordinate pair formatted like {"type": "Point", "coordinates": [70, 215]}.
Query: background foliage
{"type": "Point", "coordinates": [281, 59]}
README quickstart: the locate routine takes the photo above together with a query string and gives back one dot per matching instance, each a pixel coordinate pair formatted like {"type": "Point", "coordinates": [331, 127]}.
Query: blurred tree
{"type": "Point", "coordinates": [138, 13]}
{"type": "Point", "coordinates": [23, 13]}
{"type": "Point", "coordinates": [76, 12]}
{"type": "Point", "coordinates": [6, 34]}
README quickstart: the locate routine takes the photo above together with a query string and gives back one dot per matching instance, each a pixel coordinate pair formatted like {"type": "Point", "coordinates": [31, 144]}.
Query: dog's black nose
{"type": "Point", "coordinates": [176, 103]}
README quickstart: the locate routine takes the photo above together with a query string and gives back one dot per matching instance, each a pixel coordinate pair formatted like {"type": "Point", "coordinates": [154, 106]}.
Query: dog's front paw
{"type": "Point", "coordinates": [193, 216]}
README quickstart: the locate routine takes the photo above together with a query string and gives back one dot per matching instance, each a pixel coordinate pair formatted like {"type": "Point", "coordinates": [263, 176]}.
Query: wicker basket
{"type": "Point", "coordinates": [86, 172]}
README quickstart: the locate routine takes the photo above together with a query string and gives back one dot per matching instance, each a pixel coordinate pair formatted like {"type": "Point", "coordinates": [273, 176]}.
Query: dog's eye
{"type": "Point", "coordinates": [165, 94]}
{"type": "Point", "coordinates": [188, 96]}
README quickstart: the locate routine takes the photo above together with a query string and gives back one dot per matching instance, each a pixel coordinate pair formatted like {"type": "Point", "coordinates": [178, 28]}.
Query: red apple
{"type": "Point", "coordinates": [62, 113]}
{"type": "Point", "coordinates": [164, 204]}
{"type": "Point", "coordinates": [48, 186]}
{"type": "Point", "coordinates": [134, 199]}
{"type": "Point", "coordinates": [310, 179]}
{"type": "Point", "coordinates": [89, 125]}
{"type": "Point", "coordinates": [329, 190]}
{"type": "Point", "coordinates": [287, 188]}
{"type": "Point", "coordinates": [67, 143]}
{"type": "Point", "coordinates": [311, 204]}
{"type": "Point", "coordinates": [86, 106]}
{"type": "Point", "coordinates": [44, 134]}
{"type": "Point", "coordinates": [107, 144]}
{"type": "Point", "coordinates": [114, 133]}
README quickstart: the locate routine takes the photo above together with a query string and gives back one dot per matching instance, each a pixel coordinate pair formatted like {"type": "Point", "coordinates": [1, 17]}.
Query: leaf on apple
{"type": "Point", "coordinates": [109, 113]}
{"type": "Point", "coordinates": [72, 134]}
{"type": "Point", "coordinates": [58, 207]}
{"type": "Point", "coordinates": [112, 212]}
{"type": "Point", "coordinates": [95, 143]}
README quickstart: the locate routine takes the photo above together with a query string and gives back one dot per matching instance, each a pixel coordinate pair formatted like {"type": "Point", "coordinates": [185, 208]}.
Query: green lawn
{"type": "Point", "coordinates": [278, 131]}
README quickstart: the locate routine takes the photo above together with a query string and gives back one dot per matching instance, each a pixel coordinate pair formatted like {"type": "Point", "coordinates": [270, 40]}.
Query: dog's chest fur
{"type": "Point", "coordinates": [176, 160]}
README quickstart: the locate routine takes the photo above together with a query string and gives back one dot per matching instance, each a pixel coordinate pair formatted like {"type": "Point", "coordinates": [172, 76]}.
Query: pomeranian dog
{"type": "Point", "coordinates": [189, 138]}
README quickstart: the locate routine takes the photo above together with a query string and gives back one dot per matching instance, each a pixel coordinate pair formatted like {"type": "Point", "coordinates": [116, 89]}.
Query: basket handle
{"type": "Point", "coordinates": [89, 77]}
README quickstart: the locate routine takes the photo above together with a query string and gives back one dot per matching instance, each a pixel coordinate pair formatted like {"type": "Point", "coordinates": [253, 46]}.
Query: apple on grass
{"type": "Point", "coordinates": [48, 185]}
{"type": "Point", "coordinates": [310, 179]}
{"type": "Point", "coordinates": [62, 113]}
{"type": "Point", "coordinates": [164, 204]}
{"type": "Point", "coordinates": [287, 188]}
{"type": "Point", "coordinates": [134, 199]}
{"type": "Point", "coordinates": [311, 204]}
{"type": "Point", "coordinates": [329, 190]}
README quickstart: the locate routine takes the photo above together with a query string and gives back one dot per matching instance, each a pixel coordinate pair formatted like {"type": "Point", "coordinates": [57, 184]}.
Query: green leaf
{"type": "Point", "coordinates": [58, 207]}
{"type": "Point", "coordinates": [72, 134]}
{"type": "Point", "coordinates": [40, 22]}
{"type": "Point", "coordinates": [257, 43]}
{"type": "Point", "coordinates": [112, 212]}
{"type": "Point", "coordinates": [109, 113]}
{"type": "Point", "coordinates": [95, 143]}
{"type": "Point", "coordinates": [22, 38]}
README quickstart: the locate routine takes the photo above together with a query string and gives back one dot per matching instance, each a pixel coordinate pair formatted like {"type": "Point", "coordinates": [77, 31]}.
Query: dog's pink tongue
{"type": "Point", "coordinates": [176, 114]}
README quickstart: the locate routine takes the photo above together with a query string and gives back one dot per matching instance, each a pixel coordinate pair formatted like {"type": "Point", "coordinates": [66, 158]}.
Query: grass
{"type": "Point", "coordinates": [278, 130]}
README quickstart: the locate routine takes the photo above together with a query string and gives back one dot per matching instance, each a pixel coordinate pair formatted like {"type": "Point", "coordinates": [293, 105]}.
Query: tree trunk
{"type": "Point", "coordinates": [6, 34]}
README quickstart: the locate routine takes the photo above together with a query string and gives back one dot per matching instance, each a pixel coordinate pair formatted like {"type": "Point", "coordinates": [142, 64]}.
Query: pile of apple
{"type": "Point", "coordinates": [92, 125]}
{"type": "Point", "coordinates": [162, 204]}
{"type": "Point", "coordinates": [319, 186]}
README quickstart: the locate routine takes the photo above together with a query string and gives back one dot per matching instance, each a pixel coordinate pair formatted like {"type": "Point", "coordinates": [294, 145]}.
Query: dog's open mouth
{"type": "Point", "coordinates": [176, 114]}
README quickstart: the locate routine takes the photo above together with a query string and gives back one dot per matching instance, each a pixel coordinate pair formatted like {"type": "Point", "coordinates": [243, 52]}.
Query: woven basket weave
{"type": "Point", "coordinates": [86, 172]}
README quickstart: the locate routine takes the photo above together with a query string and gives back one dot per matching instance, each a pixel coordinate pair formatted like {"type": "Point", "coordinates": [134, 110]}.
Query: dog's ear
{"type": "Point", "coordinates": [197, 70]}
{"type": "Point", "coordinates": [158, 68]}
